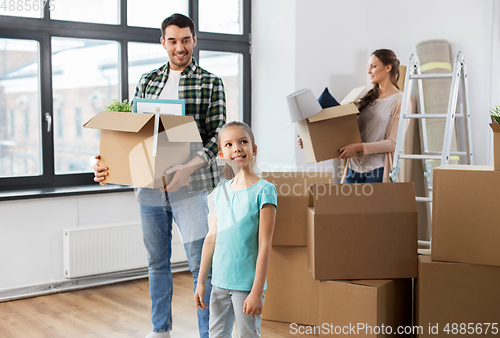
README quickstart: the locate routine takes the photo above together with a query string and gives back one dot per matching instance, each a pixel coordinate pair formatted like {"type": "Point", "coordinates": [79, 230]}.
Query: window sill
{"type": "Point", "coordinates": [62, 191]}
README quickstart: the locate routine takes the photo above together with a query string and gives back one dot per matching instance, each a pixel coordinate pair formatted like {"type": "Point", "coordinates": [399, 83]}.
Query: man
{"type": "Point", "coordinates": [204, 95]}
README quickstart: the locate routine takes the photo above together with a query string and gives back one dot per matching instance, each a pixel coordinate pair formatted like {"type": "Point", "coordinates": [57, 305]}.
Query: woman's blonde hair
{"type": "Point", "coordinates": [228, 172]}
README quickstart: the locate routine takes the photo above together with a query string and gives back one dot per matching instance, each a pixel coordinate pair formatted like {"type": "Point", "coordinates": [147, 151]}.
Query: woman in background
{"type": "Point", "coordinates": [371, 161]}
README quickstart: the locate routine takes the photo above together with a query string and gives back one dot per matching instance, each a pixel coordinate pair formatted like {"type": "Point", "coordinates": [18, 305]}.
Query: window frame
{"type": "Point", "coordinates": [44, 29]}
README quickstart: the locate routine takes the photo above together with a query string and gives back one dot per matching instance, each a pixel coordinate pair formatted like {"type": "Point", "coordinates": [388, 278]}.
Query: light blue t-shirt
{"type": "Point", "coordinates": [237, 241]}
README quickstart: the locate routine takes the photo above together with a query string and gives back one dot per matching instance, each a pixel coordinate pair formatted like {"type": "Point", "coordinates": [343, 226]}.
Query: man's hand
{"type": "Point", "coordinates": [100, 173]}
{"type": "Point", "coordinates": [182, 173]}
{"type": "Point", "coordinates": [350, 150]}
{"type": "Point", "coordinates": [199, 297]}
{"type": "Point", "coordinates": [253, 304]}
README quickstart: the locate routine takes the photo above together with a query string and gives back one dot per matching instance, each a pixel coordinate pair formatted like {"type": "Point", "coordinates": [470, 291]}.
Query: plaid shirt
{"type": "Point", "coordinates": [205, 100]}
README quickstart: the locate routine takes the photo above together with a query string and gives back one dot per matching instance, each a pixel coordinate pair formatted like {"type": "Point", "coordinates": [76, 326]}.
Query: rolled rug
{"type": "Point", "coordinates": [435, 57]}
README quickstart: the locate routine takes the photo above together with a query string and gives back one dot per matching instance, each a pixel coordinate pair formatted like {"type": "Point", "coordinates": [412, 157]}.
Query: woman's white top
{"type": "Point", "coordinates": [373, 122]}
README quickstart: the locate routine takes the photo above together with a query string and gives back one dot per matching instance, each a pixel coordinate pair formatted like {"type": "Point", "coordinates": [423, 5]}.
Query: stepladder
{"type": "Point", "coordinates": [456, 138]}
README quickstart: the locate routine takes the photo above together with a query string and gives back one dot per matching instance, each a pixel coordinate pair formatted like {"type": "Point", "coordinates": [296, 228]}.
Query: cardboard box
{"type": "Point", "coordinates": [496, 145]}
{"type": "Point", "coordinates": [126, 146]}
{"type": "Point", "coordinates": [331, 129]}
{"type": "Point", "coordinates": [375, 308]}
{"type": "Point", "coordinates": [293, 198]}
{"type": "Point", "coordinates": [402, 77]}
{"type": "Point", "coordinates": [465, 220]}
{"type": "Point", "coordinates": [362, 231]}
{"type": "Point", "coordinates": [292, 295]}
{"type": "Point", "coordinates": [456, 293]}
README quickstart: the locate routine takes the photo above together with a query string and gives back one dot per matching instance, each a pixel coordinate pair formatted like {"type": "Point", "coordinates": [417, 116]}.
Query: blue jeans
{"type": "Point", "coordinates": [190, 212]}
{"type": "Point", "coordinates": [372, 176]}
{"type": "Point", "coordinates": [227, 305]}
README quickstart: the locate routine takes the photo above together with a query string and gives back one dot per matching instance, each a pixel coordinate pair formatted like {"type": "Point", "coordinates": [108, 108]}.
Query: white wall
{"type": "Point", "coordinates": [273, 78]}
{"type": "Point", "coordinates": [31, 232]}
{"type": "Point", "coordinates": [333, 40]}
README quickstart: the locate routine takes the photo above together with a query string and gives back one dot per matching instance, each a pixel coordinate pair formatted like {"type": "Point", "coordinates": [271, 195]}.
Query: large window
{"type": "Point", "coordinates": [20, 142]}
{"type": "Point", "coordinates": [229, 67]}
{"type": "Point", "coordinates": [221, 16]}
{"type": "Point", "coordinates": [79, 93]}
{"type": "Point", "coordinates": [62, 61]}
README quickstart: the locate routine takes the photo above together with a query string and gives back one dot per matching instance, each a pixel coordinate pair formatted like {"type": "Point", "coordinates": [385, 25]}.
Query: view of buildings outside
{"type": "Point", "coordinates": [85, 78]}
{"type": "Point", "coordinates": [20, 115]}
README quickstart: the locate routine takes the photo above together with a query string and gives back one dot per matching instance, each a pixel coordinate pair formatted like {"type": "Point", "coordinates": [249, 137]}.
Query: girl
{"type": "Point", "coordinates": [238, 244]}
{"type": "Point", "coordinates": [371, 161]}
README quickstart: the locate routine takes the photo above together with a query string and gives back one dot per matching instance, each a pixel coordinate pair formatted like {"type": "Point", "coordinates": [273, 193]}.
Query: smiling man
{"type": "Point", "coordinates": [179, 43]}
{"type": "Point", "coordinates": [180, 78]}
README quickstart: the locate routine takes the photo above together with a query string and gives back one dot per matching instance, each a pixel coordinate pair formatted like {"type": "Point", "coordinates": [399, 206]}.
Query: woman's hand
{"type": "Point", "coordinates": [350, 150]}
{"type": "Point", "coordinates": [300, 142]}
{"type": "Point", "coordinates": [253, 304]}
{"type": "Point", "coordinates": [199, 297]}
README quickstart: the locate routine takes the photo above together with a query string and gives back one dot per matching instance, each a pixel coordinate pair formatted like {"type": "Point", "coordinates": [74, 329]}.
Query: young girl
{"type": "Point", "coordinates": [238, 244]}
{"type": "Point", "coordinates": [371, 161]}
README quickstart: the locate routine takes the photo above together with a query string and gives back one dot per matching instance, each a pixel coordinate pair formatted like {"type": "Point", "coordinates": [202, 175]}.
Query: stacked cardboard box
{"type": "Point", "coordinates": [292, 295]}
{"type": "Point", "coordinates": [293, 198]}
{"type": "Point", "coordinates": [362, 231]}
{"type": "Point", "coordinates": [368, 233]}
{"type": "Point", "coordinates": [456, 298]}
{"type": "Point", "coordinates": [465, 215]}
{"type": "Point", "coordinates": [369, 308]}
{"type": "Point", "coordinates": [362, 245]}
{"type": "Point", "coordinates": [496, 146]}
{"type": "Point", "coordinates": [457, 287]}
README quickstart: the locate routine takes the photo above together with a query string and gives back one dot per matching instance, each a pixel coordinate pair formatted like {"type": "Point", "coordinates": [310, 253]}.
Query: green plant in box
{"type": "Point", "coordinates": [495, 114]}
{"type": "Point", "coordinates": [116, 105]}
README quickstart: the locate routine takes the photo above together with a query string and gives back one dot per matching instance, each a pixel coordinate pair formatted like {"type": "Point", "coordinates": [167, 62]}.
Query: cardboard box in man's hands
{"type": "Point", "coordinates": [126, 146]}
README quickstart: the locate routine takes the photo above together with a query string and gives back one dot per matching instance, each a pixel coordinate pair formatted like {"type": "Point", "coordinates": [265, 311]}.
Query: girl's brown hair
{"type": "Point", "coordinates": [387, 57]}
{"type": "Point", "coordinates": [228, 172]}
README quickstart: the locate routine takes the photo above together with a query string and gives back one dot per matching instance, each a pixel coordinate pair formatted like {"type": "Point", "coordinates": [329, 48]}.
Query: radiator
{"type": "Point", "coordinates": [98, 250]}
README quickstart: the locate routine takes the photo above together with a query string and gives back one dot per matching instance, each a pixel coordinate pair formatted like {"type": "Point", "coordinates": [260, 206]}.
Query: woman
{"type": "Point", "coordinates": [371, 160]}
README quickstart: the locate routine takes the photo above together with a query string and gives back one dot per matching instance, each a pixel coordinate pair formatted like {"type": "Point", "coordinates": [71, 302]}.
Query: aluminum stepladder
{"type": "Point", "coordinates": [458, 108]}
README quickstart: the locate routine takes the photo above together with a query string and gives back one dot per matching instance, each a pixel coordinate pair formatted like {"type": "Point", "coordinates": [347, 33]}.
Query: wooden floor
{"type": "Point", "coordinates": [119, 310]}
